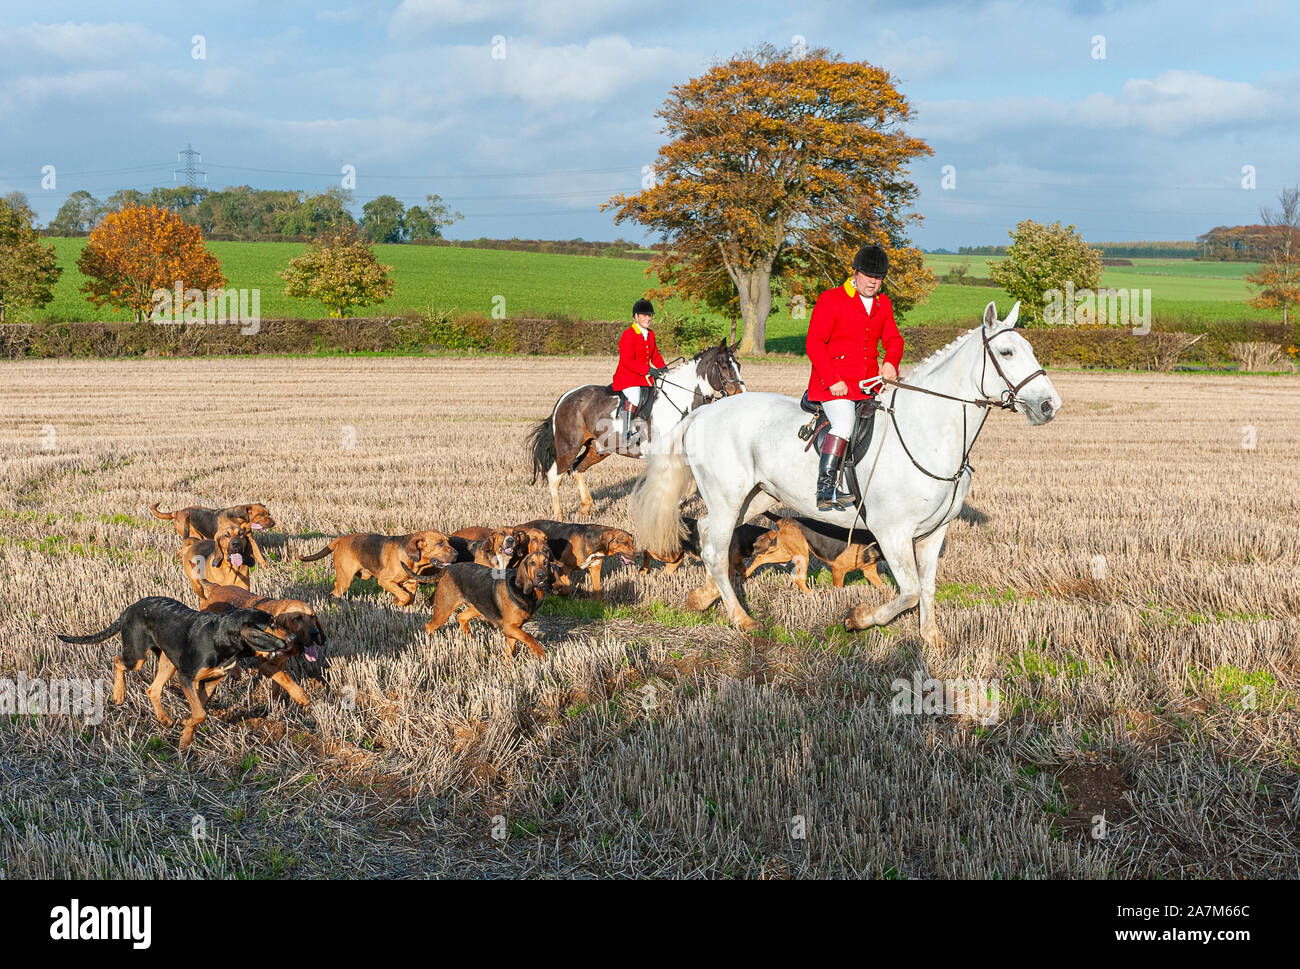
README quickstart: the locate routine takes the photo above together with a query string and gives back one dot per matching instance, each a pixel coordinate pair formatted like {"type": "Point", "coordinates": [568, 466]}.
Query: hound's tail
{"type": "Point", "coordinates": [164, 515]}
{"type": "Point", "coordinates": [541, 439]}
{"type": "Point", "coordinates": [656, 498]}
{"type": "Point", "coordinates": [98, 637]}
{"type": "Point", "coordinates": [319, 555]}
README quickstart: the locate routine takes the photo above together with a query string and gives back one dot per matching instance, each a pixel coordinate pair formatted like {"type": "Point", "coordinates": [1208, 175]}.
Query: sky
{"type": "Point", "coordinates": [1139, 121]}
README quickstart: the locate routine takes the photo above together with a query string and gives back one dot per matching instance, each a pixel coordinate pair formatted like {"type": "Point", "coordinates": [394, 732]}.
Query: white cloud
{"type": "Point", "coordinates": [353, 140]}
{"type": "Point", "coordinates": [549, 75]}
{"type": "Point", "coordinates": [1172, 104]}
{"type": "Point", "coordinates": [415, 17]}
{"type": "Point", "coordinates": [85, 42]}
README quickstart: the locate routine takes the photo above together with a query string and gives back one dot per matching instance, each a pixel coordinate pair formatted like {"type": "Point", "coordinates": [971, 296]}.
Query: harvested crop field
{"type": "Point", "coordinates": [1125, 581]}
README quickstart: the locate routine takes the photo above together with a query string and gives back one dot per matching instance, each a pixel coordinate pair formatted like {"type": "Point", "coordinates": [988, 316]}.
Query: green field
{"type": "Point", "coordinates": [594, 287]}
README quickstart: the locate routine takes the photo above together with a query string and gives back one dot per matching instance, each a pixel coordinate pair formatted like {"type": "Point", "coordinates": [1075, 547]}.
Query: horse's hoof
{"type": "Point", "coordinates": [933, 638]}
{"type": "Point", "coordinates": [699, 600]}
{"type": "Point", "coordinates": [858, 618]}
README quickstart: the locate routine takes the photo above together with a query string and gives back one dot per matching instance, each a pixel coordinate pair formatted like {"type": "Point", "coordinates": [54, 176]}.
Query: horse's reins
{"type": "Point", "coordinates": [1006, 400]}
{"type": "Point", "coordinates": [717, 394]}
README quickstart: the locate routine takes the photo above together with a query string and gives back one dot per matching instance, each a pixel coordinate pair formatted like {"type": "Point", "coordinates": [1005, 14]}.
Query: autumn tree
{"type": "Point", "coordinates": [340, 271]}
{"type": "Point", "coordinates": [28, 267]}
{"type": "Point", "coordinates": [428, 221]}
{"type": "Point", "coordinates": [17, 200]}
{"type": "Point", "coordinates": [780, 166]}
{"type": "Point", "coordinates": [142, 249]}
{"type": "Point", "coordinates": [1042, 258]}
{"type": "Point", "coordinates": [1278, 279]}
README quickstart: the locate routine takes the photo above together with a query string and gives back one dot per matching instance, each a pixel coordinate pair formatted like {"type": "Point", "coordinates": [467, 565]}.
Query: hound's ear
{"type": "Point", "coordinates": [414, 547]}
{"type": "Point", "coordinates": [1013, 315]}
{"type": "Point", "coordinates": [525, 582]}
{"type": "Point", "coordinates": [990, 315]}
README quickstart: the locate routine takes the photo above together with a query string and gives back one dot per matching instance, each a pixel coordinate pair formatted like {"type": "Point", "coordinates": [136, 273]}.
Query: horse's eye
{"type": "Point", "coordinates": [1005, 353]}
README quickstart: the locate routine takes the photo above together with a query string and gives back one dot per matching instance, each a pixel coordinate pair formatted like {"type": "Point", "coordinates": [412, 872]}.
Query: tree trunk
{"type": "Point", "coordinates": [755, 291]}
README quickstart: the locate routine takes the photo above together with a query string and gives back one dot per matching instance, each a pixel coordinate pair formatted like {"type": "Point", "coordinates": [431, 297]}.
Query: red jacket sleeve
{"type": "Point", "coordinates": [891, 339]}
{"type": "Point", "coordinates": [819, 332]}
{"type": "Point", "coordinates": [656, 357]}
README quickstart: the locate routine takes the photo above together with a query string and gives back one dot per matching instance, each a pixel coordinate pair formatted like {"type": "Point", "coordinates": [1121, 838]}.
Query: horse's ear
{"type": "Point", "coordinates": [990, 315]}
{"type": "Point", "coordinates": [1013, 315]}
{"type": "Point", "coordinates": [734, 347]}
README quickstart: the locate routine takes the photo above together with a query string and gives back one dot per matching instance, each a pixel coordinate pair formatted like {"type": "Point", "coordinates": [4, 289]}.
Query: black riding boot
{"type": "Point", "coordinates": [829, 497]}
{"type": "Point", "coordinates": [628, 410]}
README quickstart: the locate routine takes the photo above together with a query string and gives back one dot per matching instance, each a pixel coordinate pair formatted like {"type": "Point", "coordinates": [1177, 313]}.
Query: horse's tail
{"type": "Point", "coordinates": [656, 498]}
{"type": "Point", "coordinates": [541, 439]}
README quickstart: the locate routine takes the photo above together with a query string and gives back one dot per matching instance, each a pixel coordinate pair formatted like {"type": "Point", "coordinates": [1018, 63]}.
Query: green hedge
{"type": "Point", "coordinates": [1104, 347]}
{"type": "Point", "coordinates": [412, 333]}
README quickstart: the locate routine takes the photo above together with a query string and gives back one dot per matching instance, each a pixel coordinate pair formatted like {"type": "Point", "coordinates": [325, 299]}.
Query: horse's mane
{"type": "Point", "coordinates": [939, 357]}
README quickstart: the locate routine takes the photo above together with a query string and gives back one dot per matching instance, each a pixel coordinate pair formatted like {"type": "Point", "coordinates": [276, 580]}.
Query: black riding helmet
{"type": "Point", "coordinates": [643, 306]}
{"type": "Point", "coordinates": [872, 261]}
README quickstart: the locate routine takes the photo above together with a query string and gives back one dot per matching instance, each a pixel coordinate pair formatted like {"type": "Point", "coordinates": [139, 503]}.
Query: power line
{"type": "Point", "coordinates": [362, 173]}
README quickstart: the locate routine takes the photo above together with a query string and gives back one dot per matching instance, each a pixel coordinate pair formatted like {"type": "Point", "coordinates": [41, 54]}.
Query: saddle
{"type": "Point", "coordinates": [814, 432]}
{"type": "Point", "coordinates": [647, 398]}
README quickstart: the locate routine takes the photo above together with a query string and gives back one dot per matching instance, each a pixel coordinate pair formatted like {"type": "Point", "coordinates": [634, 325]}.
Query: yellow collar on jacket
{"type": "Point", "coordinates": [637, 330]}
{"type": "Point", "coordinates": [849, 287]}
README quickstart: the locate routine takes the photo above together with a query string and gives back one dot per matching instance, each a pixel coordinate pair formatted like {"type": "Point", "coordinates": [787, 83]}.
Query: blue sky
{"type": "Point", "coordinates": [1146, 143]}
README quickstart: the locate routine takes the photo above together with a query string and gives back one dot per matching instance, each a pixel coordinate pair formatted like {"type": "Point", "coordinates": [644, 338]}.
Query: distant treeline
{"type": "Point", "coordinates": [1113, 250]}
{"type": "Point", "coordinates": [619, 248]}
{"type": "Point", "coordinates": [249, 214]}
{"type": "Point", "coordinates": [244, 214]}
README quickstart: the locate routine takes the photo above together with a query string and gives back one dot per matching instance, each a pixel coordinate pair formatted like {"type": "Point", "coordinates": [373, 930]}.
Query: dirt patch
{"type": "Point", "coordinates": [1092, 791]}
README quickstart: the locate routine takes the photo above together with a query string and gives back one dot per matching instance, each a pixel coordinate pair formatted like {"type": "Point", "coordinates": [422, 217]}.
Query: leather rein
{"type": "Point", "coordinates": [1006, 400]}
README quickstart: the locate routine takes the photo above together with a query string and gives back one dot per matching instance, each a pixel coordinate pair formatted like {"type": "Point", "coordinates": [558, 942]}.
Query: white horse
{"type": "Point", "coordinates": [745, 458]}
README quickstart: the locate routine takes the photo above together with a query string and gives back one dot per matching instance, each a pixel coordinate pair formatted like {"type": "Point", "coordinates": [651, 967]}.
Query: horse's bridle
{"type": "Point", "coordinates": [1008, 398]}
{"type": "Point", "coordinates": [699, 400]}
{"type": "Point", "coordinates": [1004, 401]}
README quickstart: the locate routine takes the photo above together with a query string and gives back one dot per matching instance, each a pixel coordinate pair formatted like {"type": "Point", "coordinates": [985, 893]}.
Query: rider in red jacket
{"type": "Point", "coordinates": [848, 325]}
{"type": "Point", "coordinates": [637, 358]}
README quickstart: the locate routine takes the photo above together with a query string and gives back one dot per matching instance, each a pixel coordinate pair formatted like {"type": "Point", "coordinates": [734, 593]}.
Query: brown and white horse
{"type": "Point", "coordinates": [585, 426]}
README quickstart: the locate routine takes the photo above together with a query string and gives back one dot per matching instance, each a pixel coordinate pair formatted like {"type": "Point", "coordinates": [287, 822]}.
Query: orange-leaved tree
{"type": "Point", "coordinates": [134, 253]}
{"type": "Point", "coordinates": [781, 166]}
{"type": "Point", "coordinates": [1278, 278]}
{"type": "Point", "coordinates": [340, 271]}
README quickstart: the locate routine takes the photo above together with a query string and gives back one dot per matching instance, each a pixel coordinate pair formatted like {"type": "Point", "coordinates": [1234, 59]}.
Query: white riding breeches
{"type": "Point", "coordinates": [633, 394]}
{"type": "Point", "coordinates": [842, 414]}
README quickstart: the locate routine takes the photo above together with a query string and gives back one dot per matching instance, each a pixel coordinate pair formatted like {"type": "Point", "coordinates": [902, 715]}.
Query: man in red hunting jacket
{"type": "Point", "coordinates": [848, 325]}
{"type": "Point", "coordinates": [637, 356]}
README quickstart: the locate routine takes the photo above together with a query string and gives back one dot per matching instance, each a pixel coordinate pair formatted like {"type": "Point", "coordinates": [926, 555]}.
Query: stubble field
{"type": "Point", "coordinates": [1126, 578]}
